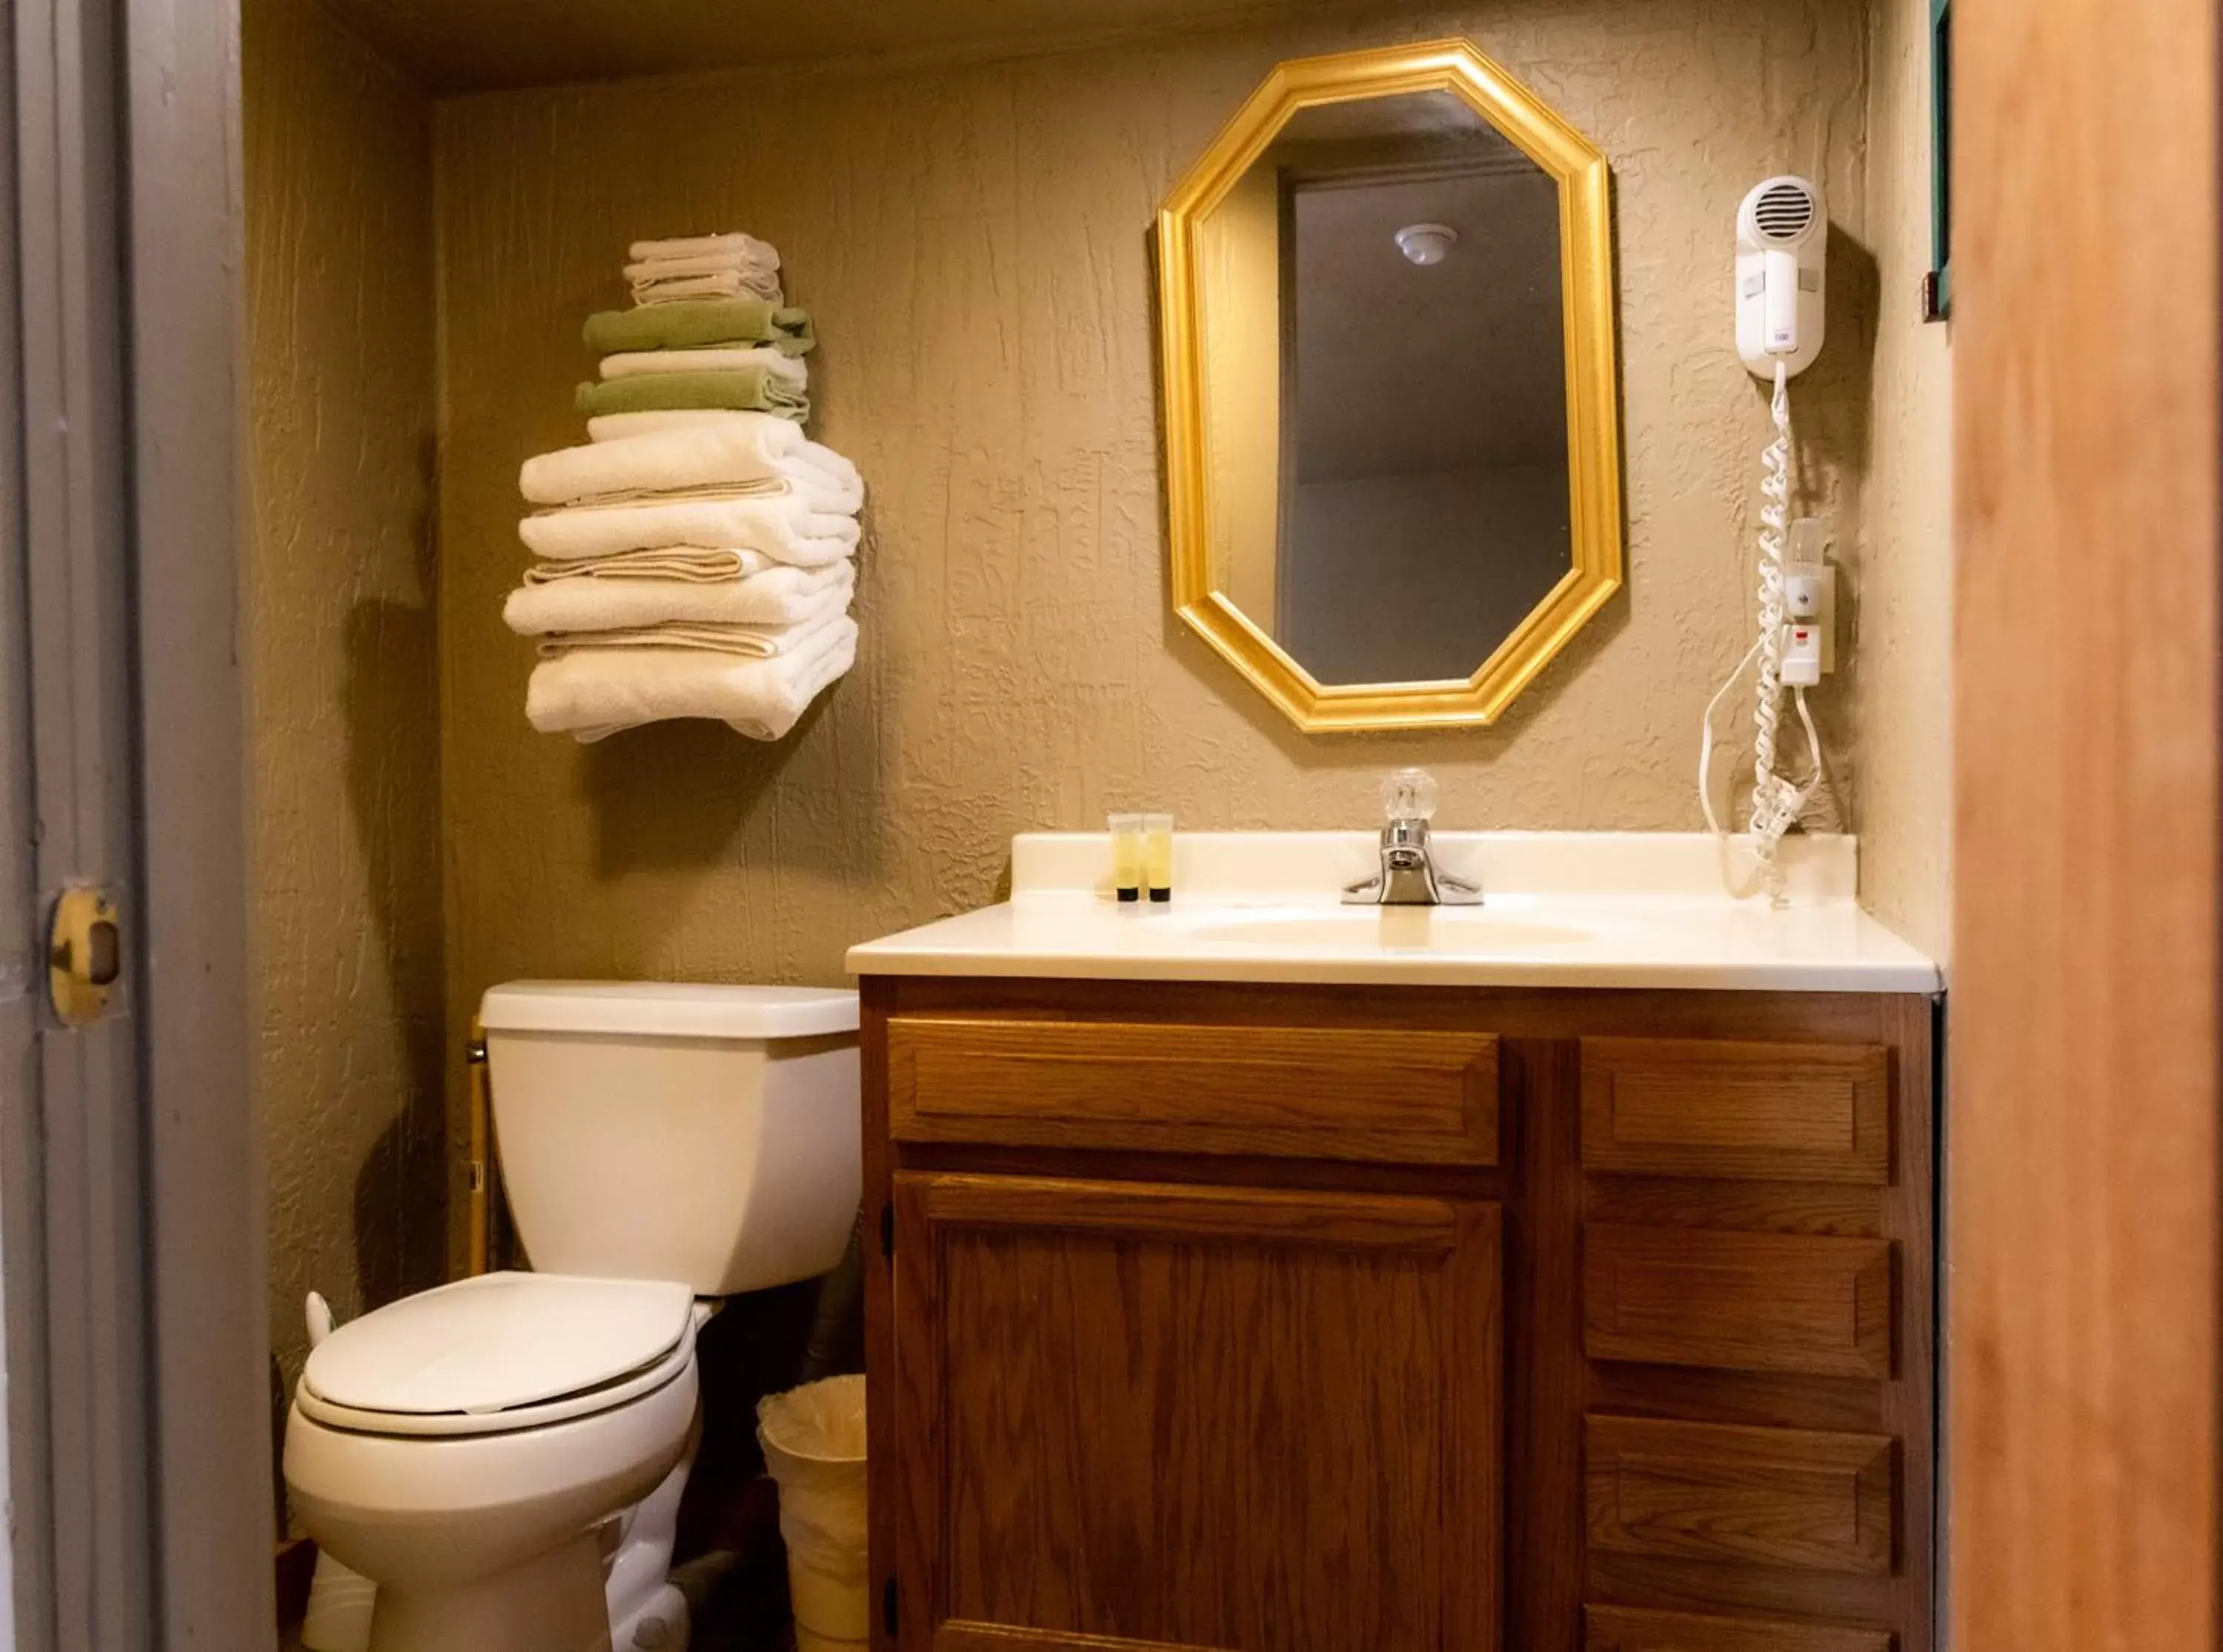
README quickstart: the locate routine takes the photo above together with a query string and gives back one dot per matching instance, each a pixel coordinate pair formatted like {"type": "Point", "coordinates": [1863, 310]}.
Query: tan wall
{"type": "Point", "coordinates": [972, 240]}
{"type": "Point", "coordinates": [339, 262]}
{"type": "Point", "coordinates": [1239, 255]}
{"type": "Point", "coordinates": [1905, 564]}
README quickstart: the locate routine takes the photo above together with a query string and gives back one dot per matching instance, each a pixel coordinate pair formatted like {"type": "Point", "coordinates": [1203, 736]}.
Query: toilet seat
{"type": "Point", "coordinates": [500, 1353]}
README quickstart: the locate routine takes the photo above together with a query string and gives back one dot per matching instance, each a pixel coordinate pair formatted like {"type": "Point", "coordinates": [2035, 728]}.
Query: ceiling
{"type": "Point", "coordinates": [1401, 369]}
{"type": "Point", "coordinates": [475, 45]}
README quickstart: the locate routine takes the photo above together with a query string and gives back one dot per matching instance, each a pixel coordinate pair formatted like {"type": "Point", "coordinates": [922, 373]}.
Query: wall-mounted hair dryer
{"type": "Point", "coordinates": [1782, 244]}
{"type": "Point", "coordinates": [1783, 232]}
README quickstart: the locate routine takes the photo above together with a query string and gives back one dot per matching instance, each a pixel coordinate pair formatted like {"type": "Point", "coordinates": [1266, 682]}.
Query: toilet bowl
{"type": "Point", "coordinates": [503, 1457]}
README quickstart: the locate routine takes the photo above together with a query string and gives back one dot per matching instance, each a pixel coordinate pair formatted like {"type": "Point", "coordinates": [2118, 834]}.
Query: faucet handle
{"type": "Point", "coordinates": [1409, 795]}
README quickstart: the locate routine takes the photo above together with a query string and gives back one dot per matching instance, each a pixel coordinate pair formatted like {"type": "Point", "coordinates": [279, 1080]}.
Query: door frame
{"type": "Point", "coordinates": [2083, 1185]}
{"type": "Point", "coordinates": [130, 1151]}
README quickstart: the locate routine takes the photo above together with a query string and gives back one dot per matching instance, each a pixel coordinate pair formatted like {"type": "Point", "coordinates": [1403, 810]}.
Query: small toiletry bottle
{"type": "Point", "coordinates": [1126, 855]}
{"type": "Point", "coordinates": [1158, 855]}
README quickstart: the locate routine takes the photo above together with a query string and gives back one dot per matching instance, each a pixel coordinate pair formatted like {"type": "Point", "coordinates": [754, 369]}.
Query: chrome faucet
{"type": "Point", "coordinates": [1409, 877]}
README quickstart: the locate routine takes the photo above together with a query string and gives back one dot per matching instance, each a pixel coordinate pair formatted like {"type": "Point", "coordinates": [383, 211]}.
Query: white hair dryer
{"type": "Point", "coordinates": [1782, 244]}
{"type": "Point", "coordinates": [1783, 233]}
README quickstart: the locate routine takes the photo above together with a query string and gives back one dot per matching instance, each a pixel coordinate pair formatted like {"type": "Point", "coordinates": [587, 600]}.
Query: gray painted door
{"type": "Point", "coordinates": [129, 1185]}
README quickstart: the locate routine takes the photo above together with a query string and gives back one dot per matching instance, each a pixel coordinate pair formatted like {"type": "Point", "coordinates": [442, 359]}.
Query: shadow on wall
{"type": "Point", "coordinates": [389, 710]}
{"type": "Point", "coordinates": [626, 780]}
{"type": "Point", "coordinates": [391, 707]}
{"type": "Point", "coordinates": [791, 800]}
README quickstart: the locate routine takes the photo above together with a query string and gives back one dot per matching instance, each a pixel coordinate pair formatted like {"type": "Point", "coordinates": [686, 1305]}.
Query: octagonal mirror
{"type": "Point", "coordinates": [1391, 398]}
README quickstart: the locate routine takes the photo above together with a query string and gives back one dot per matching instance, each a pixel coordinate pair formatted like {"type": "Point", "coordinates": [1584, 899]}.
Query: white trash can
{"type": "Point", "coordinates": [814, 1445]}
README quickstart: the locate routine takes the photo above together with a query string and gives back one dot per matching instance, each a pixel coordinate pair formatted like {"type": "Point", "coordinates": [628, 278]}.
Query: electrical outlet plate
{"type": "Point", "coordinates": [1806, 556]}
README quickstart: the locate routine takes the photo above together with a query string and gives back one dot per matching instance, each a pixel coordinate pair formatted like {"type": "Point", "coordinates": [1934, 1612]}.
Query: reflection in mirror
{"type": "Point", "coordinates": [1385, 389]}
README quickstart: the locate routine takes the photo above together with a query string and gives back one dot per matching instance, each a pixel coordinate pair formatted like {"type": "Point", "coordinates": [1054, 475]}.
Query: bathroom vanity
{"type": "Point", "coordinates": [1268, 1273]}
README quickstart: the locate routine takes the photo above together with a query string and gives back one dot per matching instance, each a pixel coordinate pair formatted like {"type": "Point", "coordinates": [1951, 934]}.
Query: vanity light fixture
{"type": "Point", "coordinates": [1425, 243]}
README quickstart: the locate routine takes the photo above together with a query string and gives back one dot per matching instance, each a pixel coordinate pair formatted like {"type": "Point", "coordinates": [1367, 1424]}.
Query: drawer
{"type": "Point", "coordinates": [1616, 1628]}
{"type": "Point", "coordinates": [1757, 1496]}
{"type": "Point", "coordinates": [1738, 1302]}
{"type": "Point", "coordinates": [1762, 1112]}
{"type": "Point", "coordinates": [1378, 1094]}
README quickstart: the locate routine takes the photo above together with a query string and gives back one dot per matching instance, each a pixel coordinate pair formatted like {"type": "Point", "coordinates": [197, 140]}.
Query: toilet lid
{"type": "Point", "coordinates": [498, 1342]}
{"type": "Point", "coordinates": [669, 1009]}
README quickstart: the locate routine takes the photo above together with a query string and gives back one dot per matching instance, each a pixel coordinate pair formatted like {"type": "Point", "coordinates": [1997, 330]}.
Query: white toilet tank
{"type": "Point", "coordinates": [705, 1135]}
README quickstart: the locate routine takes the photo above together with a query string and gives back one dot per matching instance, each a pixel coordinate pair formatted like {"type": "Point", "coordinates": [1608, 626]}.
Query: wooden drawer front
{"type": "Point", "coordinates": [1360, 1093]}
{"type": "Point", "coordinates": [1738, 1302]}
{"type": "Point", "coordinates": [1766, 1497]}
{"type": "Point", "coordinates": [1613, 1629]}
{"type": "Point", "coordinates": [997, 1637]}
{"type": "Point", "coordinates": [1768, 1112]}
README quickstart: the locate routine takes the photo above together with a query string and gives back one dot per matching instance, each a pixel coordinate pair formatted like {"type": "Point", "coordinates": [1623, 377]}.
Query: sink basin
{"type": "Point", "coordinates": [1395, 929]}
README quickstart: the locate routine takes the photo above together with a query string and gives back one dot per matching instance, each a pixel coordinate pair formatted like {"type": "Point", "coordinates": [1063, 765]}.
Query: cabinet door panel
{"type": "Point", "coordinates": [1186, 1417]}
{"type": "Point", "coordinates": [1388, 1094]}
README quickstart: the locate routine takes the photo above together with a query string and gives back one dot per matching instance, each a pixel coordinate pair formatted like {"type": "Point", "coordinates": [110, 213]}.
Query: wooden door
{"type": "Point", "coordinates": [1171, 1416]}
{"type": "Point", "coordinates": [2082, 1203]}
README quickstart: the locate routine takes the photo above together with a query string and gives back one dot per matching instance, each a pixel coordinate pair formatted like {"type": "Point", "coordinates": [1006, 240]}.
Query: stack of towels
{"type": "Point", "coordinates": [698, 554]}
{"type": "Point", "coordinates": [703, 267]}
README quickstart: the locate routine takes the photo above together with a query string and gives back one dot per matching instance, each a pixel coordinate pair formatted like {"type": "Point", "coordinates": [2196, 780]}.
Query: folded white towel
{"type": "Point", "coordinates": [783, 525]}
{"type": "Point", "coordinates": [691, 564]}
{"type": "Point", "coordinates": [733, 244]}
{"type": "Point", "coordinates": [617, 427]}
{"type": "Point", "coordinates": [740, 446]}
{"type": "Point", "coordinates": [744, 642]}
{"type": "Point", "coordinates": [719, 284]}
{"type": "Point", "coordinates": [803, 461]}
{"type": "Point", "coordinates": [779, 596]}
{"type": "Point", "coordinates": [596, 693]}
{"type": "Point", "coordinates": [631, 364]}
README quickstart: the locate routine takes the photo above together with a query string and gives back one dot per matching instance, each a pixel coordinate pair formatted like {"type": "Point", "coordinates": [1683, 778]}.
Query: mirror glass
{"type": "Point", "coordinates": [1385, 389]}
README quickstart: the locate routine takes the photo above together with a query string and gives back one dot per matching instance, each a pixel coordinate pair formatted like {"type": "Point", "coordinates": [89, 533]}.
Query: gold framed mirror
{"type": "Point", "coordinates": [1391, 398]}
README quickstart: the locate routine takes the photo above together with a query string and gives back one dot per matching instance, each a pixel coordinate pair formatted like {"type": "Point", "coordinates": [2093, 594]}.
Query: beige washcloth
{"type": "Point", "coordinates": [745, 642]}
{"type": "Point", "coordinates": [688, 564]}
{"type": "Point", "coordinates": [735, 242]}
{"type": "Point", "coordinates": [778, 596]}
{"type": "Point", "coordinates": [721, 284]}
{"type": "Point", "coordinates": [596, 693]}
{"type": "Point", "coordinates": [703, 267]}
{"type": "Point", "coordinates": [782, 525]}
{"type": "Point", "coordinates": [632, 364]}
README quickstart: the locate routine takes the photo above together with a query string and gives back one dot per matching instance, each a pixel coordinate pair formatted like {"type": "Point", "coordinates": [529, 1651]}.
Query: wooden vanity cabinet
{"type": "Point", "coordinates": [1313, 1319]}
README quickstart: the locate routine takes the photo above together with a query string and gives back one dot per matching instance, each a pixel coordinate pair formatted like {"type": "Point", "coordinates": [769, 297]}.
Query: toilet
{"type": "Point", "coordinates": [503, 1457]}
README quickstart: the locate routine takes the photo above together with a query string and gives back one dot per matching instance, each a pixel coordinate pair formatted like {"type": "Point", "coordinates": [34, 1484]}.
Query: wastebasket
{"type": "Point", "coordinates": [814, 1445]}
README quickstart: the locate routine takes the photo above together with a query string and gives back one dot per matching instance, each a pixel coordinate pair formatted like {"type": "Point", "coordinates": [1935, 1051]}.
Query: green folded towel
{"type": "Point", "coordinates": [693, 324]}
{"type": "Point", "coordinates": [749, 389]}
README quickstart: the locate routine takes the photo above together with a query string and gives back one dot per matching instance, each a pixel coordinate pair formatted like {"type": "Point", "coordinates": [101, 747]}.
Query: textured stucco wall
{"type": "Point", "coordinates": [972, 240]}
{"type": "Point", "coordinates": [1904, 625]}
{"type": "Point", "coordinates": [342, 624]}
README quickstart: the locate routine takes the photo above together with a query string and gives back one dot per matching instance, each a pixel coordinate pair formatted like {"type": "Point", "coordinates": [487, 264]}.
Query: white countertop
{"type": "Point", "coordinates": [1560, 909]}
